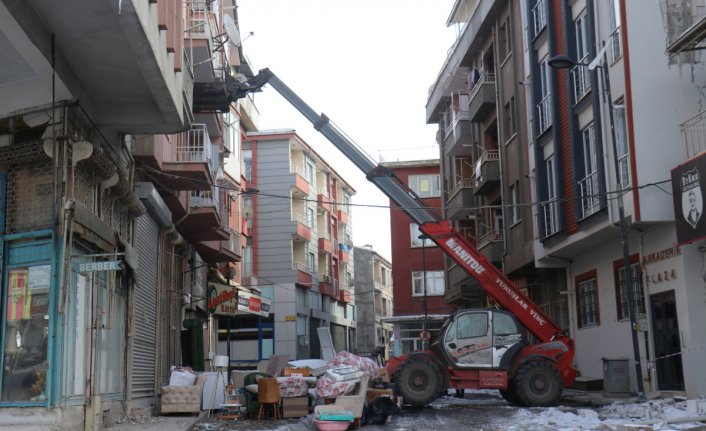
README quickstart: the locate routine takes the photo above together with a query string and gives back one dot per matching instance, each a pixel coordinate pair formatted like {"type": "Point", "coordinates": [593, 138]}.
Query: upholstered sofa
{"type": "Point", "coordinates": [183, 399]}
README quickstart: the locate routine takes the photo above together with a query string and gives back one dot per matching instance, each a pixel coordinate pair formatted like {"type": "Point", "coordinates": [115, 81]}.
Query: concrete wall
{"type": "Point", "coordinates": [364, 299]}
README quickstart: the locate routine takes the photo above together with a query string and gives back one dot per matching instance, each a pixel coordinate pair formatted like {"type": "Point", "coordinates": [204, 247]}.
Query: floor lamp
{"type": "Point", "coordinates": [219, 363]}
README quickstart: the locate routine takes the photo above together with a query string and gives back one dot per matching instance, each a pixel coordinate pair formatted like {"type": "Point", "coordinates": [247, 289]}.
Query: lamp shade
{"type": "Point", "coordinates": [220, 361]}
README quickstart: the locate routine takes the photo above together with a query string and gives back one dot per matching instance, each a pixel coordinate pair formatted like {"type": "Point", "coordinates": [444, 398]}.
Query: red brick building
{"type": "Point", "coordinates": [412, 258]}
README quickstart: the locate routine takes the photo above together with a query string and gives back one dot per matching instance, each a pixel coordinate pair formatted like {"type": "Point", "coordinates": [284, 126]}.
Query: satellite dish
{"type": "Point", "coordinates": [231, 29]}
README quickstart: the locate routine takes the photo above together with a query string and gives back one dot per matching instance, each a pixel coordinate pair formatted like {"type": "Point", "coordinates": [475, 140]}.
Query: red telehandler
{"type": "Point", "coordinates": [476, 348]}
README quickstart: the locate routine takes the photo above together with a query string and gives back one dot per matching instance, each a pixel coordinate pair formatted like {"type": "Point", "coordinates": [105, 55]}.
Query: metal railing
{"type": "Point", "coordinates": [491, 235]}
{"type": "Point", "coordinates": [539, 17]}
{"type": "Point", "coordinates": [693, 134]}
{"type": "Point", "coordinates": [463, 184]}
{"type": "Point", "coordinates": [205, 198]}
{"type": "Point", "coordinates": [193, 145]}
{"type": "Point", "coordinates": [616, 50]}
{"type": "Point", "coordinates": [588, 191]}
{"type": "Point", "coordinates": [301, 218]}
{"type": "Point", "coordinates": [550, 213]}
{"type": "Point", "coordinates": [487, 156]}
{"type": "Point", "coordinates": [544, 114]}
{"type": "Point", "coordinates": [582, 79]}
{"type": "Point", "coordinates": [303, 267]}
{"type": "Point", "coordinates": [485, 78]}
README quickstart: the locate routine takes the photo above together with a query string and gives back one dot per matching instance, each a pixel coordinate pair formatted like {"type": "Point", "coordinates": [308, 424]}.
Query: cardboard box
{"type": "Point", "coordinates": [296, 372]}
{"type": "Point", "coordinates": [384, 374]}
{"type": "Point", "coordinates": [295, 407]}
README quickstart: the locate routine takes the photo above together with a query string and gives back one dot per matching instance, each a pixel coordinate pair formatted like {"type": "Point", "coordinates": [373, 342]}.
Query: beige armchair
{"type": "Point", "coordinates": [354, 403]}
{"type": "Point", "coordinates": [183, 399]}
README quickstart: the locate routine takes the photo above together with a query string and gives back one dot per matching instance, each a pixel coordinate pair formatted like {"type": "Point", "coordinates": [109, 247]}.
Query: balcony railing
{"type": "Point", "coordinates": [539, 17]}
{"type": "Point", "coordinates": [485, 78]}
{"type": "Point", "coordinates": [588, 189]}
{"type": "Point", "coordinates": [616, 49]}
{"type": "Point", "coordinates": [463, 184]}
{"type": "Point", "coordinates": [550, 213]}
{"type": "Point", "coordinates": [492, 235]}
{"type": "Point", "coordinates": [303, 267]}
{"type": "Point", "coordinates": [487, 156]}
{"type": "Point", "coordinates": [194, 145]}
{"type": "Point", "coordinates": [693, 134]}
{"type": "Point", "coordinates": [205, 198]}
{"type": "Point", "coordinates": [544, 114]}
{"type": "Point", "coordinates": [582, 79]}
{"type": "Point", "coordinates": [301, 218]}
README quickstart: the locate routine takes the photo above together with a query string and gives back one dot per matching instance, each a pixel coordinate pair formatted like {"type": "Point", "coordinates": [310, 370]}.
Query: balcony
{"type": "Point", "coordinates": [693, 135]}
{"type": "Point", "coordinates": [184, 161]}
{"type": "Point", "coordinates": [202, 221]}
{"type": "Point", "coordinates": [342, 216]}
{"type": "Point", "coordinates": [544, 114]}
{"type": "Point", "coordinates": [302, 228]}
{"type": "Point", "coordinates": [204, 43]}
{"type": "Point", "coordinates": [550, 217]}
{"type": "Point", "coordinates": [460, 203]}
{"type": "Point", "coordinates": [343, 255]}
{"type": "Point", "coordinates": [482, 99]}
{"type": "Point", "coordinates": [491, 245]}
{"type": "Point", "coordinates": [305, 275]}
{"type": "Point", "coordinates": [539, 17]}
{"type": "Point", "coordinates": [487, 172]}
{"type": "Point", "coordinates": [344, 296]}
{"type": "Point", "coordinates": [323, 202]}
{"type": "Point", "coordinates": [582, 79]}
{"type": "Point", "coordinates": [326, 244]}
{"type": "Point", "coordinates": [589, 195]}
{"type": "Point", "coordinates": [129, 59]}
{"type": "Point", "coordinates": [463, 288]}
{"type": "Point", "coordinates": [301, 185]}
{"type": "Point", "coordinates": [328, 286]}
{"type": "Point", "coordinates": [214, 252]}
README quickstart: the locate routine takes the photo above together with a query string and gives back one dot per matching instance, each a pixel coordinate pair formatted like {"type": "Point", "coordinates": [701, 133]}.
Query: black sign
{"type": "Point", "coordinates": [687, 191]}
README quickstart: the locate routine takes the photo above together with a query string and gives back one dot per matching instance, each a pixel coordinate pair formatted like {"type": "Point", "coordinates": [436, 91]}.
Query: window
{"type": "Point", "coordinates": [26, 329]}
{"type": "Point", "coordinates": [588, 185]}
{"type": "Point", "coordinates": [310, 217]}
{"type": "Point", "coordinates": [505, 42]}
{"type": "Point", "coordinates": [311, 261]}
{"type": "Point", "coordinates": [247, 164]}
{"type": "Point", "coordinates": [544, 107]}
{"type": "Point", "coordinates": [425, 186]}
{"type": "Point", "coordinates": [309, 170]}
{"type": "Point", "coordinates": [622, 292]}
{"type": "Point", "coordinates": [434, 285]}
{"type": "Point", "coordinates": [302, 296]}
{"type": "Point", "coordinates": [509, 120]}
{"type": "Point", "coordinates": [550, 208]}
{"type": "Point", "coordinates": [581, 76]}
{"type": "Point", "coordinates": [504, 324]}
{"type": "Point", "coordinates": [587, 300]}
{"type": "Point", "coordinates": [515, 202]}
{"type": "Point", "coordinates": [414, 234]}
{"type": "Point", "coordinates": [621, 142]}
{"type": "Point", "coordinates": [615, 42]}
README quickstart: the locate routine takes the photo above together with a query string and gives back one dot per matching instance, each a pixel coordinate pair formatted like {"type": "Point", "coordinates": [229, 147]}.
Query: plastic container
{"type": "Point", "coordinates": [331, 425]}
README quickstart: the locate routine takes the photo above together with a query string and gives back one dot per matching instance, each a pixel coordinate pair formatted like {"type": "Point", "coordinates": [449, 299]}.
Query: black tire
{"type": "Point", "coordinates": [419, 382]}
{"type": "Point", "coordinates": [537, 384]}
{"type": "Point", "coordinates": [510, 396]}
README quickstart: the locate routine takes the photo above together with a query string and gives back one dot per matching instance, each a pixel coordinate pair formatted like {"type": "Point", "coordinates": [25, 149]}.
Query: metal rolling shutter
{"type": "Point", "coordinates": [144, 346]}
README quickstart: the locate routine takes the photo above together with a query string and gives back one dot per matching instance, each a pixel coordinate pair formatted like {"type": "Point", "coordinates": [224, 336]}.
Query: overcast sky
{"type": "Point", "coordinates": [366, 64]}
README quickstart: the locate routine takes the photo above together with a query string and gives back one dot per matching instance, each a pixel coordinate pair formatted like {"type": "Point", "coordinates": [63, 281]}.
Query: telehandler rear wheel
{"type": "Point", "coordinates": [538, 384]}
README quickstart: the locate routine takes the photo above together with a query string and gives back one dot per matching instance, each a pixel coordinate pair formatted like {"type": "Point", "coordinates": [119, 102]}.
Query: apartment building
{"type": "Point", "coordinates": [418, 276]}
{"type": "Point", "coordinates": [301, 248]}
{"type": "Point", "coordinates": [479, 103]}
{"type": "Point", "coordinates": [373, 301]}
{"type": "Point", "coordinates": [605, 135]}
{"type": "Point", "coordinates": [119, 202]}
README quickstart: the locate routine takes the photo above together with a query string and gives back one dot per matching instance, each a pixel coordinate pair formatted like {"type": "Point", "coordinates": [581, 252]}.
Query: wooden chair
{"type": "Point", "coordinates": [268, 395]}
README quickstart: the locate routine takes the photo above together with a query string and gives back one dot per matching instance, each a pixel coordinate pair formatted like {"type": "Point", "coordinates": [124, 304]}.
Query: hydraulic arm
{"type": "Point", "coordinates": [499, 287]}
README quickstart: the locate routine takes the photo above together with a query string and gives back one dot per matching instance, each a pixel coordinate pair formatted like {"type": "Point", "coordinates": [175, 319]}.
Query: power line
{"type": "Point", "coordinates": [608, 195]}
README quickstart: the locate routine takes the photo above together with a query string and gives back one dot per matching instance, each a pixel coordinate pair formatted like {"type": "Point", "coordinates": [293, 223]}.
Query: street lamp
{"type": "Point", "coordinates": [565, 62]}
